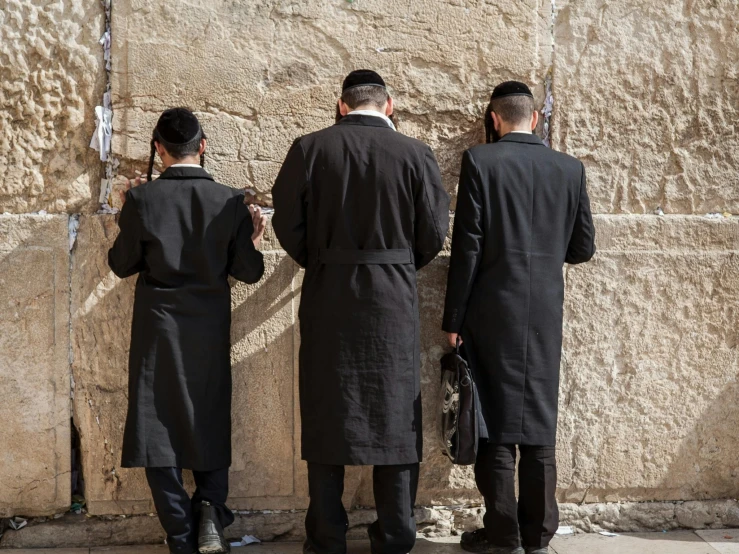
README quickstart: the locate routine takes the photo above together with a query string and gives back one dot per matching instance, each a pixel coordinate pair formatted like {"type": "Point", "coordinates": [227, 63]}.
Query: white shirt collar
{"type": "Point", "coordinates": [375, 114]}
{"type": "Point", "coordinates": [186, 165]}
{"type": "Point", "coordinates": [522, 132]}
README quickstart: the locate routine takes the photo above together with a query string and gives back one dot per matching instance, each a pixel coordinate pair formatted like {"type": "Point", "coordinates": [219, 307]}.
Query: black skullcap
{"type": "Point", "coordinates": [178, 126]}
{"type": "Point", "coordinates": [511, 88]}
{"type": "Point", "coordinates": [362, 78]}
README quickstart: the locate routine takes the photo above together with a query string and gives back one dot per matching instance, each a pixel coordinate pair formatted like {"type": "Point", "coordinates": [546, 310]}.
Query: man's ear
{"type": "Point", "coordinates": [389, 107]}
{"type": "Point", "coordinates": [203, 144]}
{"type": "Point", "coordinates": [343, 108]}
{"type": "Point", "coordinates": [496, 121]}
{"type": "Point", "coordinates": [534, 120]}
{"type": "Point", "coordinates": [160, 149]}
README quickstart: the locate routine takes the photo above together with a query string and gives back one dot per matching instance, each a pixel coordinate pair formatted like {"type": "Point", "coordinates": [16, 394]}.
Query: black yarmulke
{"type": "Point", "coordinates": [178, 126]}
{"type": "Point", "coordinates": [511, 88]}
{"type": "Point", "coordinates": [362, 78]}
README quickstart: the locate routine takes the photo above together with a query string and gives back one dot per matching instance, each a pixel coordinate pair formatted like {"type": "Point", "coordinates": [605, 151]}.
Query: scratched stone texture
{"type": "Point", "coordinates": [52, 74]}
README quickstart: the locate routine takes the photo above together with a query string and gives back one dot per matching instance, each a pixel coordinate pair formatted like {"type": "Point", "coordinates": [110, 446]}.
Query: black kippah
{"type": "Point", "coordinates": [362, 78]}
{"type": "Point", "coordinates": [178, 126]}
{"type": "Point", "coordinates": [511, 88]}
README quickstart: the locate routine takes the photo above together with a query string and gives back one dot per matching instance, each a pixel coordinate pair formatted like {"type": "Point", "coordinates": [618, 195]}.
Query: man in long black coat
{"type": "Point", "coordinates": [361, 207]}
{"type": "Point", "coordinates": [184, 234]}
{"type": "Point", "coordinates": [522, 212]}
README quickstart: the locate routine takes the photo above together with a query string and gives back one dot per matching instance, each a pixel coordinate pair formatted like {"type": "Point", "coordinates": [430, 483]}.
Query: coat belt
{"type": "Point", "coordinates": [331, 256]}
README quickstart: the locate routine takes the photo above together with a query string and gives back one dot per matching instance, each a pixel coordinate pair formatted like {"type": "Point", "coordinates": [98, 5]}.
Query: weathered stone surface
{"type": "Point", "coordinates": [102, 306]}
{"type": "Point", "coordinates": [262, 73]}
{"type": "Point", "coordinates": [34, 348]}
{"type": "Point", "coordinates": [647, 96]}
{"type": "Point", "coordinates": [648, 391]}
{"type": "Point", "coordinates": [53, 75]}
{"type": "Point", "coordinates": [264, 410]}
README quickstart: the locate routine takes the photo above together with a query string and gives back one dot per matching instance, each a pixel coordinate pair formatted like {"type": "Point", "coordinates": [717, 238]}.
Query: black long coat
{"type": "Point", "coordinates": [361, 207]}
{"type": "Point", "coordinates": [184, 234]}
{"type": "Point", "coordinates": [522, 212]}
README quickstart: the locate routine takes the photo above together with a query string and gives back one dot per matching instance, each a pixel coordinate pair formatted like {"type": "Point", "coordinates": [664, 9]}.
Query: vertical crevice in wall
{"type": "Point", "coordinates": [104, 114]}
{"type": "Point", "coordinates": [548, 108]}
{"type": "Point", "coordinates": [78, 482]}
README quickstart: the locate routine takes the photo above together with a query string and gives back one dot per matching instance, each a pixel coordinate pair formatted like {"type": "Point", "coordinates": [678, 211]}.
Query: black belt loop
{"type": "Point", "coordinates": [365, 257]}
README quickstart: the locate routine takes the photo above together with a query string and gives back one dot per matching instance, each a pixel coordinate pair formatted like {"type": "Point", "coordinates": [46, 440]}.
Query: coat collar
{"type": "Point", "coordinates": [186, 173]}
{"type": "Point", "coordinates": [523, 138]}
{"type": "Point", "coordinates": [365, 120]}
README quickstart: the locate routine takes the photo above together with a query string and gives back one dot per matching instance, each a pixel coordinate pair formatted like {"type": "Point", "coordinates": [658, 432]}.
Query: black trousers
{"type": "Point", "coordinates": [395, 488]}
{"type": "Point", "coordinates": [532, 520]}
{"type": "Point", "coordinates": [178, 513]}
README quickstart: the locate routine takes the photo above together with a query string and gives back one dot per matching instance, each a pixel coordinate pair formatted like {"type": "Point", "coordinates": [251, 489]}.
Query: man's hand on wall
{"type": "Point", "coordinates": [260, 224]}
{"type": "Point", "coordinates": [139, 179]}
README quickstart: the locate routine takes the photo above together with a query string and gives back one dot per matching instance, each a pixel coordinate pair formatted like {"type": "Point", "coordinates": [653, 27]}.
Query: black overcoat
{"type": "Point", "coordinates": [361, 207]}
{"type": "Point", "coordinates": [522, 212]}
{"type": "Point", "coordinates": [184, 234]}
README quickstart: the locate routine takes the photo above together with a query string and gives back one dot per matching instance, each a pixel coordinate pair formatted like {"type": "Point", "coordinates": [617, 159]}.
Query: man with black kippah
{"type": "Point", "coordinates": [362, 208]}
{"type": "Point", "coordinates": [184, 234]}
{"type": "Point", "coordinates": [522, 213]}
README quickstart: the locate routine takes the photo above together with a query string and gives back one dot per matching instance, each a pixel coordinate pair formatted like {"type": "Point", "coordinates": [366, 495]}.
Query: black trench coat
{"type": "Point", "coordinates": [522, 212]}
{"type": "Point", "coordinates": [361, 207]}
{"type": "Point", "coordinates": [184, 234]}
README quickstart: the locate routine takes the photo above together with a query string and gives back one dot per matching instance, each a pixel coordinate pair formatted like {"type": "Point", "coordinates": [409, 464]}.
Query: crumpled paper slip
{"type": "Point", "coordinates": [17, 523]}
{"type": "Point", "coordinates": [246, 540]}
{"type": "Point", "coordinates": [565, 530]}
{"type": "Point", "coordinates": [608, 534]}
{"type": "Point", "coordinates": [74, 225]}
{"type": "Point", "coordinates": [101, 139]}
{"type": "Point", "coordinates": [105, 42]}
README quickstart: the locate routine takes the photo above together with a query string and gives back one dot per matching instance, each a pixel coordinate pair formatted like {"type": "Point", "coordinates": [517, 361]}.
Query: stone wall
{"type": "Point", "coordinates": [647, 96]}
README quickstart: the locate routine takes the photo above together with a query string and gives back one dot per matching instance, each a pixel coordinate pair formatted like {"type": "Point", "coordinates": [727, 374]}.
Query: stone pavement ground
{"type": "Point", "coordinates": [719, 541]}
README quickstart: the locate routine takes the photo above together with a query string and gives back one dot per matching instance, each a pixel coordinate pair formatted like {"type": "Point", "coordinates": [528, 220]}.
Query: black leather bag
{"type": "Point", "coordinates": [460, 410]}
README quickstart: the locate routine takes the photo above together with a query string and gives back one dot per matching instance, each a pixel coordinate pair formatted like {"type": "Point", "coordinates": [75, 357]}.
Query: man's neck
{"type": "Point", "coordinates": [367, 108]}
{"type": "Point", "coordinates": [522, 130]}
{"type": "Point", "coordinates": [188, 160]}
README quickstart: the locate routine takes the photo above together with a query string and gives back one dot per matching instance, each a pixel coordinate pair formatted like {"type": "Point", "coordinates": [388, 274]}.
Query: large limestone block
{"type": "Point", "coordinates": [264, 407]}
{"type": "Point", "coordinates": [648, 399]}
{"type": "Point", "coordinates": [52, 76]}
{"type": "Point", "coordinates": [261, 73]}
{"type": "Point", "coordinates": [647, 96]}
{"type": "Point", "coordinates": [35, 461]}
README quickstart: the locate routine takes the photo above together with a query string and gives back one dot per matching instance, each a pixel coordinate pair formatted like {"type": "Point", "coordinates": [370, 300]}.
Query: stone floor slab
{"type": "Point", "coordinates": [725, 541]}
{"type": "Point", "coordinates": [677, 542]}
{"type": "Point", "coordinates": [49, 551]}
{"type": "Point", "coordinates": [423, 546]}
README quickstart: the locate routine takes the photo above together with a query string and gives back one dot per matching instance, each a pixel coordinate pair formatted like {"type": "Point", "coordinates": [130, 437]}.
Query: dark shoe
{"type": "Point", "coordinates": [210, 534]}
{"type": "Point", "coordinates": [308, 549]}
{"type": "Point", "coordinates": [477, 541]}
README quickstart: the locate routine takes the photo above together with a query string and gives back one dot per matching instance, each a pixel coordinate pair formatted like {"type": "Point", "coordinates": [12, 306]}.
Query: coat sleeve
{"type": "Point", "coordinates": [289, 200]}
{"type": "Point", "coordinates": [432, 213]}
{"type": "Point", "coordinates": [582, 241]}
{"type": "Point", "coordinates": [467, 245]}
{"type": "Point", "coordinates": [245, 262]}
{"type": "Point", "coordinates": [126, 257]}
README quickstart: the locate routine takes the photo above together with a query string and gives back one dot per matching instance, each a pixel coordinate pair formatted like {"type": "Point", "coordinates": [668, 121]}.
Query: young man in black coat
{"type": "Point", "coordinates": [184, 234]}
{"type": "Point", "coordinates": [362, 208]}
{"type": "Point", "coordinates": [522, 212]}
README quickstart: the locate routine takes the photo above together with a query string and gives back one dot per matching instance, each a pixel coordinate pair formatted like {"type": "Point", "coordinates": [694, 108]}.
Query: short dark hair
{"type": "Point", "coordinates": [514, 109]}
{"type": "Point", "coordinates": [363, 95]}
{"type": "Point", "coordinates": [179, 151]}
